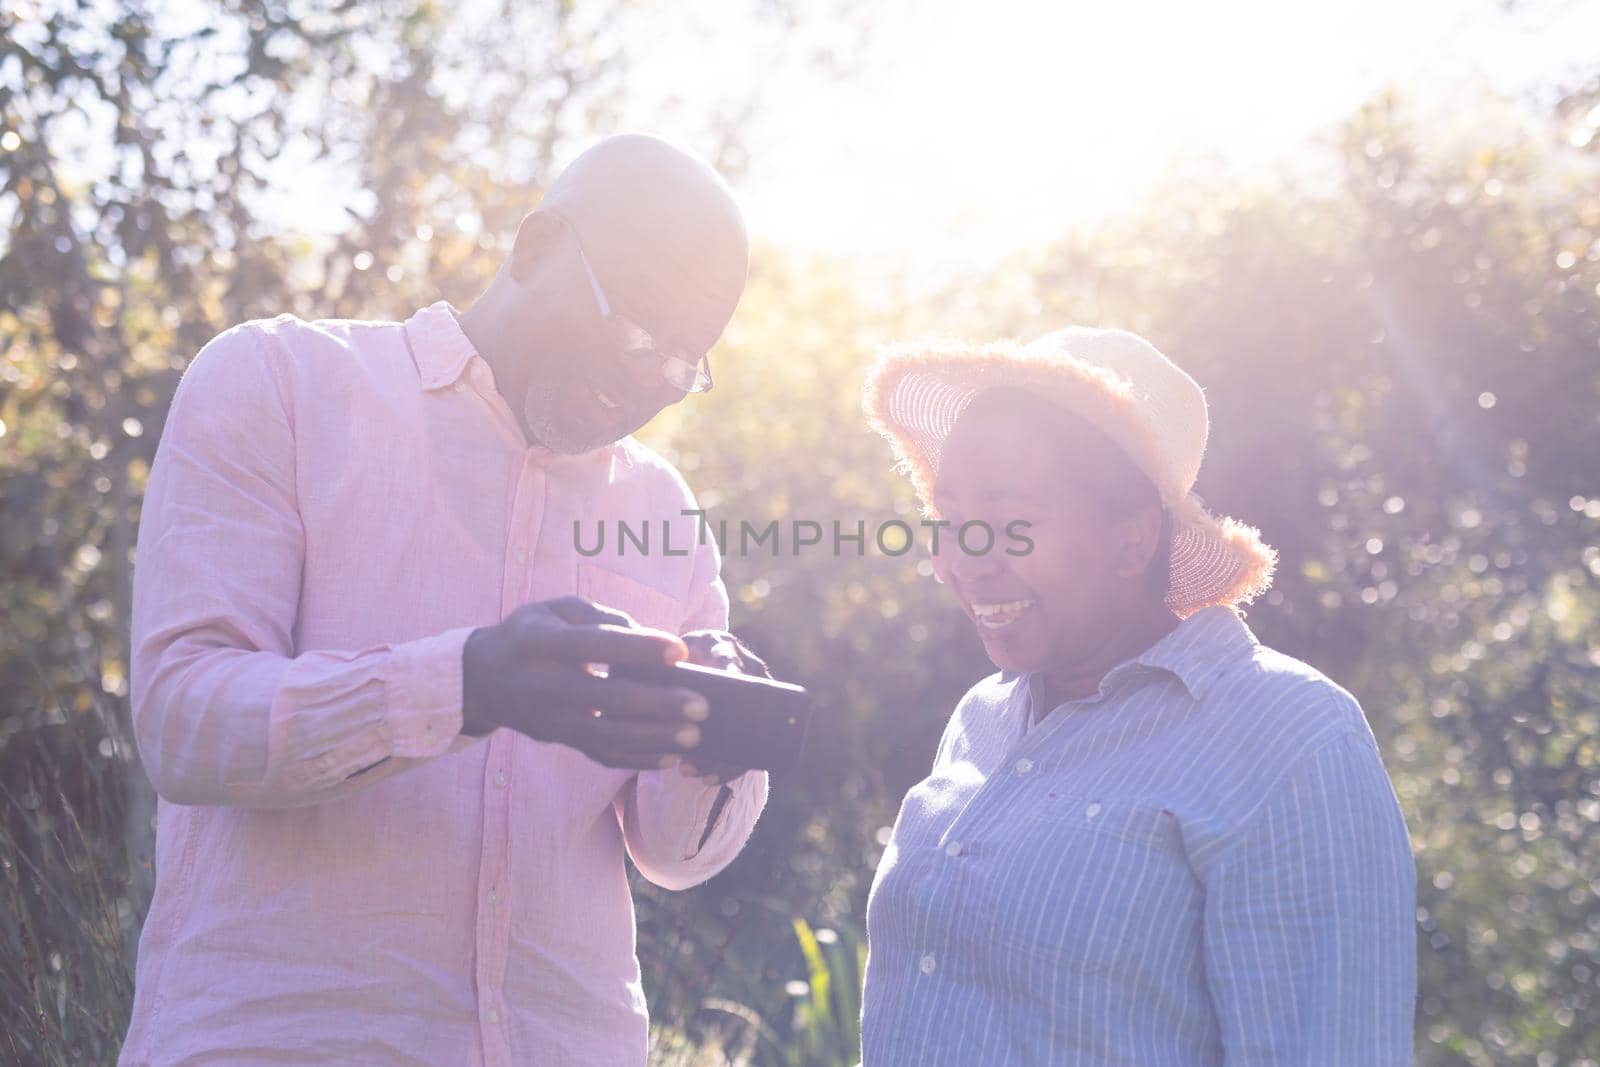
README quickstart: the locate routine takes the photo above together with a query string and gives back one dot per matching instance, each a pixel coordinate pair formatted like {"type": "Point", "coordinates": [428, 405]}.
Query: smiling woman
{"type": "Point", "coordinates": [1094, 512]}
{"type": "Point", "coordinates": [1148, 839]}
{"type": "Point", "coordinates": [1011, 456]}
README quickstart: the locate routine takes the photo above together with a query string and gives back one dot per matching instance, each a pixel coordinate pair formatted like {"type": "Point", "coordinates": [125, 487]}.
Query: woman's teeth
{"type": "Point", "coordinates": [999, 616]}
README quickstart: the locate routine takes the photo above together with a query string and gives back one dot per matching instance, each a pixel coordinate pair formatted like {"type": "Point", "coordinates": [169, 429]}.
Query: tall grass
{"type": "Point", "coordinates": [75, 892]}
{"type": "Point", "coordinates": [823, 1027]}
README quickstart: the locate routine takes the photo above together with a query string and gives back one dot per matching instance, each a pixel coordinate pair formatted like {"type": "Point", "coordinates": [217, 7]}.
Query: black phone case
{"type": "Point", "coordinates": [753, 722]}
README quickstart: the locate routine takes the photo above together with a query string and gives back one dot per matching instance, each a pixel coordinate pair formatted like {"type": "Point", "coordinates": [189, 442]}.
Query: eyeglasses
{"type": "Point", "coordinates": [689, 375]}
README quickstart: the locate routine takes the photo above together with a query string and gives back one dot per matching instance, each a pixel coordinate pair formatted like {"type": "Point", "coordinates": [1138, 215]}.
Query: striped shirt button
{"type": "Point", "coordinates": [953, 849]}
{"type": "Point", "coordinates": [494, 897]}
{"type": "Point", "coordinates": [928, 964]}
{"type": "Point", "coordinates": [500, 779]}
{"type": "Point", "coordinates": [1024, 765]}
{"type": "Point", "coordinates": [1091, 811]}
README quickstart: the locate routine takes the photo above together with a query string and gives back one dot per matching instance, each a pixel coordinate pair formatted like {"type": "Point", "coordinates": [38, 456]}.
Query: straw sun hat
{"type": "Point", "coordinates": [1116, 381]}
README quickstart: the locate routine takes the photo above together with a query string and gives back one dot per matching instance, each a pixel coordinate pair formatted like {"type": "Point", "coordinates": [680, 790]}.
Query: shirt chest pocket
{"type": "Point", "coordinates": [1135, 822]}
{"type": "Point", "coordinates": [1107, 884]}
{"type": "Point", "coordinates": [647, 605]}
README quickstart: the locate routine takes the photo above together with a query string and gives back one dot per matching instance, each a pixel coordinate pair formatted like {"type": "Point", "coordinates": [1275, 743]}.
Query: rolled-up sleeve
{"type": "Point", "coordinates": [1310, 919]}
{"type": "Point", "coordinates": [224, 711]}
{"type": "Point", "coordinates": [674, 829]}
{"type": "Point", "coordinates": [664, 823]}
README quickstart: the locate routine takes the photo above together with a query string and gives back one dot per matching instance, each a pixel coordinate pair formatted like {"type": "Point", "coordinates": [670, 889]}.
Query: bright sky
{"type": "Point", "coordinates": [977, 128]}
{"type": "Point", "coordinates": [973, 129]}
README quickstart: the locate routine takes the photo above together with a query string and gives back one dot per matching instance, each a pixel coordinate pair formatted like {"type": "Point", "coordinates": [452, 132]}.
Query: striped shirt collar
{"type": "Point", "coordinates": [1200, 648]}
{"type": "Point", "coordinates": [1195, 652]}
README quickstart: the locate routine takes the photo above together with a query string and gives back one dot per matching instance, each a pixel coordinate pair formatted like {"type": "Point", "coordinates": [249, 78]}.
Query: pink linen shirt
{"type": "Point", "coordinates": [342, 876]}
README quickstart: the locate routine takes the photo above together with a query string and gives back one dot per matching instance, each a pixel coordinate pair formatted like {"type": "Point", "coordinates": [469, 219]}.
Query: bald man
{"type": "Point", "coordinates": [394, 798]}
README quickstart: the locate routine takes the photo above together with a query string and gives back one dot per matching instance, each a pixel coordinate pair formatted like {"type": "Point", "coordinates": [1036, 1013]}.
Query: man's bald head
{"type": "Point", "coordinates": [662, 231]}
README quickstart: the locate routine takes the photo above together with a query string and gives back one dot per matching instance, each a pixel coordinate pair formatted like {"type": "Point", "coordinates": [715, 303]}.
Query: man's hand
{"type": "Point", "coordinates": [719, 648]}
{"type": "Point", "coordinates": [531, 673]}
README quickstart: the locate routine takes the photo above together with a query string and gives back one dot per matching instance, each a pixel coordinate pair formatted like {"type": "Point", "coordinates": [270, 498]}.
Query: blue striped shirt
{"type": "Point", "coordinates": [1203, 863]}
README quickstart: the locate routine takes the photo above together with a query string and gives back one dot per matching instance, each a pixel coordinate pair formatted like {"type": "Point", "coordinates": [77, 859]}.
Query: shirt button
{"type": "Point", "coordinates": [1091, 811]}
{"type": "Point", "coordinates": [1024, 765]}
{"type": "Point", "coordinates": [494, 896]}
{"type": "Point", "coordinates": [928, 964]}
{"type": "Point", "coordinates": [459, 386]}
{"type": "Point", "coordinates": [953, 849]}
{"type": "Point", "coordinates": [500, 779]}
{"type": "Point", "coordinates": [522, 555]}
{"type": "Point", "coordinates": [494, 1016]}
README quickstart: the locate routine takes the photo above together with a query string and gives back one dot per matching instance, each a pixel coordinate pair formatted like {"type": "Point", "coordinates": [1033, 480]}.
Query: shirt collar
{"type": "Point", "coordinates": [1196, 651]}
{"type": "Point", "coordinates": [442, 351]}
{"type": "Point", "coordinates": [438, 345]}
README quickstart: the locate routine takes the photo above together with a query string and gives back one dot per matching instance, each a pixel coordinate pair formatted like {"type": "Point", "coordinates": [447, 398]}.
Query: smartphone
{"type": "Point", "coordinates": [753, 722]}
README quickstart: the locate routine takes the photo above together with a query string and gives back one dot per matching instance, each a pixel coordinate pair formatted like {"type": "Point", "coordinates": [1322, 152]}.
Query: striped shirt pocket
{"type": "Point", "coordinates": [1119, 892]}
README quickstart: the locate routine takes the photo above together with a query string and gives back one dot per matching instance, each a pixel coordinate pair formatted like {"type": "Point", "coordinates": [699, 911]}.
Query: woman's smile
{"type": "Point", "coordinates": [1000, 615]}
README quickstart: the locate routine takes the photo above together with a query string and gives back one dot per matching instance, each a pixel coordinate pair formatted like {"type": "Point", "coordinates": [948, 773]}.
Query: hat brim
{"type": "Point", "coordinates": [915, 393]}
